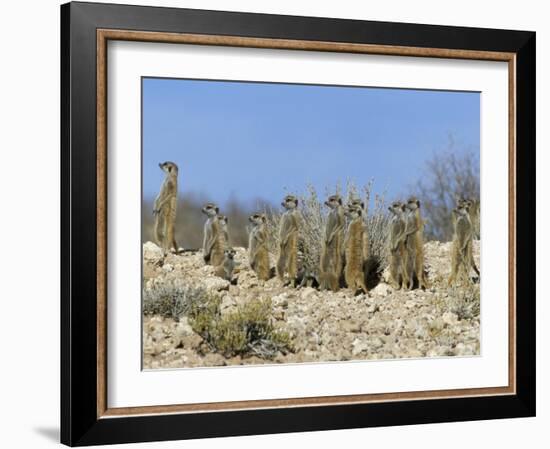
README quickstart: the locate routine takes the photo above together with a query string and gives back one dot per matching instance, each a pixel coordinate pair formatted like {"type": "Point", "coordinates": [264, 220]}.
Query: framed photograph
{"type": "Point", "coordinates": [280, 224]}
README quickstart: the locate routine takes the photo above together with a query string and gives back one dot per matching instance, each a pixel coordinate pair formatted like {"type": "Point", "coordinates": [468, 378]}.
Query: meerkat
{"type": "Point", "coordinates": [473, 212]}
{"type": "Point", "coordinates": [222, 220]}
{"type": "Point", "coordinates": [214, 241]}
{"type": "Point", "coordinates": [398, 251]}
{"type": "Point", "coordinates": [226, 268]}
{"type": "Point", "coordinates": [288, 240]}
{"type": "Point", "coordinates": [164, 208]}
{"type": "Point", "coordinates": [356, 202]}
{"type": "Point", "coordinates": [331, 254]}
{"type": "Point", "coordinates": [258, 255]}
{"type": "Point", "coordinates": [414, 243]}
{"type": "Point", "coordinates": [353, 244]}
{"type": "Point", "coordinates": [461, 254]}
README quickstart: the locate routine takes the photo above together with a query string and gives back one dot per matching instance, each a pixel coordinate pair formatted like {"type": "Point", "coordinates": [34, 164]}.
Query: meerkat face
{"type": "Point", "coordinates": [223, 219]}
{"type": "Point", "coordinates": [290, 202]}
{"type": "Point", "coordinates": [396, 208]}
{"type": "Point", "coordinates": [353, 212]}
{"type": "Point", "coordinates": [257, 219]}
{"type": "Point", "coordinates": [169, 167]}
{"type": "Point", "coordinates": [229, 253]}
{"type": "Point", "coordinates": [462, 202]}
{"type": "Point", "coordinates": [333, 201]}
{"type": "Point", "coordinates": [210, 209]}
{"type": "Point", "coordinates": [356, 202]}
{"type": "Point", "coordinates": [464, 208]}
{"type": "Point", "coordinates": [413, 204]}
{"type": "Point", "coordinates": [462, 211]}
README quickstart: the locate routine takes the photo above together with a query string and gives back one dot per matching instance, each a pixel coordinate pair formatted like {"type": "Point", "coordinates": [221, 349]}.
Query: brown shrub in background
{"type": "Point", "coordinates": [447, 176]}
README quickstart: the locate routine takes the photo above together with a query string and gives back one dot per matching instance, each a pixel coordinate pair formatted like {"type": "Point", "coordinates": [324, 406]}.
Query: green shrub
{"type": "Point", "coordinates": [247, 331]}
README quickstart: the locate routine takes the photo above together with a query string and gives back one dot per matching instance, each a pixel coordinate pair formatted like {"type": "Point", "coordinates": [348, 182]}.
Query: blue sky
{"type": "Point", "coordinates": [253, 140]}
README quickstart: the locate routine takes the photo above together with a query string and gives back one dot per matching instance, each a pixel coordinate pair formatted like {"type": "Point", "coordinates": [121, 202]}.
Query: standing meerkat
{"type": "Point", "coordinates": [288, 239]}
{"type": "Point", "coordinates": [398, 251]}
{"type": "Point", "coordinates": [164, 208]}
{"type": "Point", "coordinates": [226, 268]}
{"type": "Point", "coordinates": [473, 212]}
{"type": "Point", "coordinates": [214, 241]}
{"type": "Point", "coordinates": [461, 255]}
{"type": "Point", "coordinates": [353, 244]}
{"type": "Point", "coordinates": [356, 202]}
{"type": "Point", "coordinates": [258, 255]}
{"type": "Point", "coordinates": [222, 220]}
{"type": "Point", "coordinates": [331, 253]}
{"type": "Point", "coordinates": [415, 243]}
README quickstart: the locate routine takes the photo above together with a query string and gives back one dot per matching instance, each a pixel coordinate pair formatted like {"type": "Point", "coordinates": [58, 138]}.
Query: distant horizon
{"type": "Point", "coordinates": [249, 141]}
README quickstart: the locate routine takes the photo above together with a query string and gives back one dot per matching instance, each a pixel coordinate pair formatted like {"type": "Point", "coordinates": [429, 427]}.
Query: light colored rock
{"type": "Point", "coordinates": [382, 289]}
{"type": "Point", "coordinates": [450, 318]}
{"type": "Point", "coordinates": [152, 253]}
{"type": "Point", "coordinates": [359, 346]}
{"type": "Point", "coordinates": [215, 284]}
{"type": "Point", "coordinates": [308, 292]}
{"type": "Point", "coordinates": [183, 328]}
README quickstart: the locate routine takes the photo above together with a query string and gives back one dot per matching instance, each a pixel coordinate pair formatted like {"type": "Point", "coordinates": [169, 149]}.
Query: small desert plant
{"type": "Point", "coordinates": [312, 226]}
{"type": "Point", "coordinates": [248, 330]}
{"type": "Point", "coordinates": [465, 301]}
{"type": "Point", "coordinates": [171, 299]}
{"type": "Point", "coordinates": [377, 228]}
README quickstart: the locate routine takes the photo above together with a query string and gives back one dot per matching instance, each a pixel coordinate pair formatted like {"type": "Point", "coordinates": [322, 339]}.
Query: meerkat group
{"type": "Point", "coordinates": [344, 246]}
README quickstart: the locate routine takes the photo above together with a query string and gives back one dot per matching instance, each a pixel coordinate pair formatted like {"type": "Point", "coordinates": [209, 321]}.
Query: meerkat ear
{"type": "Point", "coordinates": [340, 201]}
{"type": "Point", "coordinates": [217, 210]}
{"type": "Point", "coordinates": [418, 203]}
{"type": "Point", "coordinates": [390, 209]}
{"type": "Point", "coordinates": [296, 201]}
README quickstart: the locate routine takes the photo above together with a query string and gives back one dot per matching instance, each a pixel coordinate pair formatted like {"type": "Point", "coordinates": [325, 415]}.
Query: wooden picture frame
{"type": "Point", "coordinates": [86, 29]}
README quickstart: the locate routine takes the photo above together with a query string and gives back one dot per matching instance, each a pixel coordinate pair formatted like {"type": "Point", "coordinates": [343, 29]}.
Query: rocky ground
{"type": "Point", "coordinates": [324, 326]}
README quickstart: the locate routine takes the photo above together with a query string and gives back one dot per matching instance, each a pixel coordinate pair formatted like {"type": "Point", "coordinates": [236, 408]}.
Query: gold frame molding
{"type": "Point", "coordinates": [105, 35]}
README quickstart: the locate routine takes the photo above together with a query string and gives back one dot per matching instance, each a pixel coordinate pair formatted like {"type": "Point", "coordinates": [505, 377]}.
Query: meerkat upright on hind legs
{"type": "Point", "coordinates": [288, 240]}
{"type": "Point", "coordinates": [473, 212]}
{"type": "Point", "coordinates": [353, 244]}
{"type": "Point", "coordinates": [226, 268]}
{"type": "Point", "coordinates": [331, 253]}
{"type": "Point", "coordinates": [461, 255]}
{"type": "Point", "coordinates": [164, 208]}
{"type": "Point", "coordinates": [258, 255]}
{"type": "Point", "coordinates": [398, 251]}
{"type": "Point", "coordinates": [214, 242]}
{"type": "Point", "coordinates": [356, 202]}
{"type": "Point", "coordinates": [222, 220]}
{"type": "Point", "coordinates": [415, 243]}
